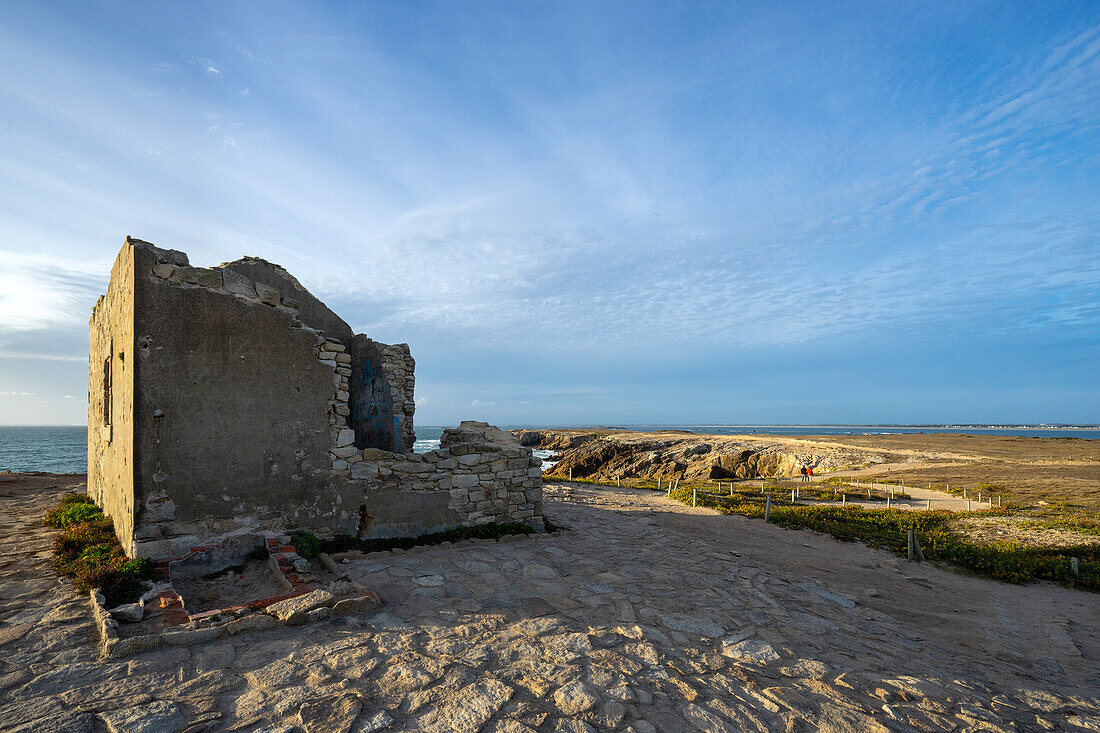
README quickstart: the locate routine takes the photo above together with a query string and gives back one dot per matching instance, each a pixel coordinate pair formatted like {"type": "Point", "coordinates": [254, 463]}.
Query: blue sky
{"type": "Point", "coordinates": [585, 212]}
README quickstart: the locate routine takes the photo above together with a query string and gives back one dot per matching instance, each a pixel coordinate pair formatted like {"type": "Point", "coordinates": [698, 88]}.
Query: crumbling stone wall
{"type": "Point", "coordinates": [486, 475]}
{"type": "Point", "coordinates": [311, 310]}
{"type": "Point", "coordinates": [398, 365]}
{"type": "Point", "coordinates": [241, 419]}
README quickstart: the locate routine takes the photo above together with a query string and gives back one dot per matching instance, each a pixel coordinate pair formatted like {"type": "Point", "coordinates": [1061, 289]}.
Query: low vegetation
{"type": "Point", "coordinates": [305, 543]}
{"type": "Point", "coordinates": [938, 532]}
{"type": "Point", "coordinates": [88, 552]}
{"type": "Point", "coordinates": [72, 509]}
{"type": "Point", "coordinates": [491, 531]}
{"type": "Point", "coordinates": [832, 489]}
{"type": "Point", "coordinates": [942, 534]}
{"type": "Point", "coordinates": [1063, 516]}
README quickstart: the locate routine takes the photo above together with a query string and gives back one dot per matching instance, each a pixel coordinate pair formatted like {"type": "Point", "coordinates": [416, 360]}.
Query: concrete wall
{"type": "Point", "coordinates": [232, 415]}
{"type": "Point", "coordinates": [311, 310]}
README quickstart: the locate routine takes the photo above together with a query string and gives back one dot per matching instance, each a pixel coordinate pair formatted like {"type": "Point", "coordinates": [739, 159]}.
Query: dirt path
{"type": "Point", "coordinates": [922, 499]}
{"type": "Point", "coordinates": [880, 468]}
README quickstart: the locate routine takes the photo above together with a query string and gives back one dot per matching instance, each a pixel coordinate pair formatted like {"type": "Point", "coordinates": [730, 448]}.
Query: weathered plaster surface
{"type": "Point", "coordinates": [311, 310]}
{"type": "Point", "coordinates": [236, 413]}
{"type": "Point", "coordinates": [111, 468]}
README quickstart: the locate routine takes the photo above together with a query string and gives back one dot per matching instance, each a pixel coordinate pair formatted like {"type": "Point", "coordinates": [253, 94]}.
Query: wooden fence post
{"type": "Point", "coordinates": [767, 509]}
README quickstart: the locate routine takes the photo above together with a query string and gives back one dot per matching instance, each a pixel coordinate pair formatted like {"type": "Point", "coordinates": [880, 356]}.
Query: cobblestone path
{"type": "Point", "coordinates": [641, 615]}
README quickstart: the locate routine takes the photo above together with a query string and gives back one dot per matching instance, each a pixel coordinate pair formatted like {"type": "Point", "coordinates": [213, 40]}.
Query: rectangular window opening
{"type": "Point", "coordinates": [107, 392]}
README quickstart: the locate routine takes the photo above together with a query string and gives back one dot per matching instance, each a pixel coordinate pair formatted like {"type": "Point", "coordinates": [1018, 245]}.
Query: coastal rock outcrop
{"type": "Point", "coordinates": [610, 454]}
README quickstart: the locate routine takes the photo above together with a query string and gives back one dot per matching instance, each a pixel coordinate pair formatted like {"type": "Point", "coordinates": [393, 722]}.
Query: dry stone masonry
{"type": "Point", "coordinates": [230, 400]}
{"type": "Point", "coordinates": [489, 476]}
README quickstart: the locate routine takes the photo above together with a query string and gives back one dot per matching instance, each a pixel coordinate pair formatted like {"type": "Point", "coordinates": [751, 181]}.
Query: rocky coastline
{"type": "Point", "coordinates": [609, 454]}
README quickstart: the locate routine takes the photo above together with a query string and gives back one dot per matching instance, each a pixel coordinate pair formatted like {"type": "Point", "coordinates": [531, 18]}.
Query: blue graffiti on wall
{"type": "Point", "coordinates": [371, 408]}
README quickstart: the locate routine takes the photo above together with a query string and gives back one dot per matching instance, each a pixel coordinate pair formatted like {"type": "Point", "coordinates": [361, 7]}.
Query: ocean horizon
{"type": "Point", "coordinates": [63, 448]}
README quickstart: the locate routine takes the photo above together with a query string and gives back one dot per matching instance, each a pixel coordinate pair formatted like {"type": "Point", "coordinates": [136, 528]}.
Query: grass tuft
{"type": "Point", "coordinates": [490, 531]}
{"type": "Point", "coordinates": [88, 552]}
{"type": "Point", "coordinates": [72, 509]}
{"type": "Point", "coordinates": [305, 543]}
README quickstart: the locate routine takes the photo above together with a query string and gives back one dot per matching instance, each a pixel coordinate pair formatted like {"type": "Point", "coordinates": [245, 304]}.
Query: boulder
{"type": "Point", "coordinates": [129, 613]}
{"type": "Point", "coordinates": [476, 433]}
{"type": "Point", "coordinates": [294, 610]}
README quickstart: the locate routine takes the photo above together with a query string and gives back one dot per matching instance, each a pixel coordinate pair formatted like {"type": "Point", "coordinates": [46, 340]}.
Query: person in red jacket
{"type": "Point", "coordinates": [809, 473]}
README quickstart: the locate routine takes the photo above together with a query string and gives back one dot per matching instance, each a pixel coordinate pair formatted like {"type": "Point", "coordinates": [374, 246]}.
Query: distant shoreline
{"type": "Point", "coordinates": [63, 449]}
{"type": "Point", "coordinates": [830, 426]}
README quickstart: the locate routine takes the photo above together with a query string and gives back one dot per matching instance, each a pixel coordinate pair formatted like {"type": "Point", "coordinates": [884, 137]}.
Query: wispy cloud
{"type": "Point", "coordinates": [774, 179]}
{"type": "Point", "coordinates": [40, 291]}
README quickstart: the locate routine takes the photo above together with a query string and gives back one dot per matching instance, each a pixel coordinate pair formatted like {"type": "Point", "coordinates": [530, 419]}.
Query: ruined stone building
{"type": "Point", "coordinates": [229, 399]}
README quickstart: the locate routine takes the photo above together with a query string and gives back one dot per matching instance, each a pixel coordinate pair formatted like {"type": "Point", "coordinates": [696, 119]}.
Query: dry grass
{"type": "Point", "coordinates": [1022, 483]}
{"type": "Point", "coordinates": [976, 447]}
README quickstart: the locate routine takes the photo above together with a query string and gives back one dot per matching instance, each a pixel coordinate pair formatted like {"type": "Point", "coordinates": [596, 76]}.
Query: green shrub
{"type": "Point", "coordinates": [305, 543]}
{"type": "Point", "coordinates": [72, 509]}
{"type": "Point", "coordinates": [88, 552]}
{"type": "Point", "coordinates": [68, 546]}
{"type": "Point", "coordinates": [76, 514]}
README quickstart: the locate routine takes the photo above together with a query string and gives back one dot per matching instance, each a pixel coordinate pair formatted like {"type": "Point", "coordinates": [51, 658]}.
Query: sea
{"type": "Point", "coordinates": [64, 449]}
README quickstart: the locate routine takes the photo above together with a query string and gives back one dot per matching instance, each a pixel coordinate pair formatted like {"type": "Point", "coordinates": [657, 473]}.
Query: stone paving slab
{"type": "Point", "coordinates": [643, 615]}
